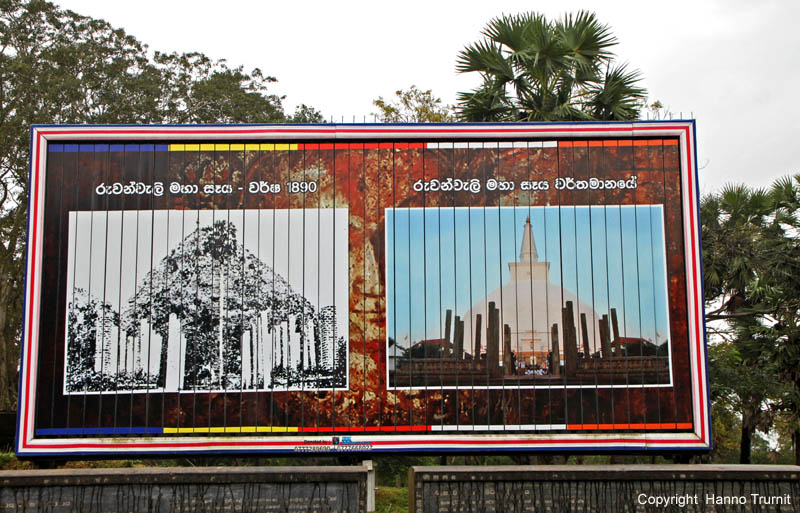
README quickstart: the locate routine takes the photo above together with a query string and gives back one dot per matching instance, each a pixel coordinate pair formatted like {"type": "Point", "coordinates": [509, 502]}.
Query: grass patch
{"type": "Point", "coordinates": [8, 461]}
{"type": "Point", "coordinates": [391, 500]}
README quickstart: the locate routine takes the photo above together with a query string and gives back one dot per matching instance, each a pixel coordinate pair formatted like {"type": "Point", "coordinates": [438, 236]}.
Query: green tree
{"type": "Point", "coordinates": [751, 265]}
{"type": "Point", "coordinates": [745, 381]}
{"type": "Point", "coordinates": [60, 67]}
{"type": "Point", "coordinates": [534, 69]}
{"type": "Point", "coordinates": [414, 105]}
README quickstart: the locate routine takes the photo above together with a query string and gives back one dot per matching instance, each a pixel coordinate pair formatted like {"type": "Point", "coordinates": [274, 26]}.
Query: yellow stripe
{"type": "Point", "coordinates": [233, 147]}
{"type": "Point", "coordinates": [237, 429]}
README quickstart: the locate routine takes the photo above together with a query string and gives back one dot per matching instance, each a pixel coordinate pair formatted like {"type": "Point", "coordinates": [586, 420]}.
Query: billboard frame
{"type": "Point", "coordinates": [699, 439]}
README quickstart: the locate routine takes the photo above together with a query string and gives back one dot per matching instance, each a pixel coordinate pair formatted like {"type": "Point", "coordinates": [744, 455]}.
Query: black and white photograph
{"type": "Point", "coordinates": [207, 300]}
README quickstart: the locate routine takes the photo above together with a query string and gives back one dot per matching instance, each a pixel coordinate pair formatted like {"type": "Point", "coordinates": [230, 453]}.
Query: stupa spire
{"type": "Point", "coordinates": [528, 253]}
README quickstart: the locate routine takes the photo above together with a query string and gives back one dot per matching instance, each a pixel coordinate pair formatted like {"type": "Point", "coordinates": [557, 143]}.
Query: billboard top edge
{"type": "Point", "coordinates": [329, 128]}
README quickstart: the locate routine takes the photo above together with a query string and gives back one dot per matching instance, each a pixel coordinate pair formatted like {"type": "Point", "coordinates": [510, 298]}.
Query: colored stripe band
{"type": "Point", "coordinates": [649, 425]}
{"type": "Point", "coordinates": [236, 429]}
{"type": "Point", "coordinates": [101, 431]}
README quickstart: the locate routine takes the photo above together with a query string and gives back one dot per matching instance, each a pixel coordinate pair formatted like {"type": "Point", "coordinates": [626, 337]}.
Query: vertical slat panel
{"type": "Point", "coordinates": [457, 295]}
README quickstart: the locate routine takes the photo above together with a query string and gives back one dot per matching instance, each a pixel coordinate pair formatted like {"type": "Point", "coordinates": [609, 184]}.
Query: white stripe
{"type": "Point", "coordinates": [516, 427]}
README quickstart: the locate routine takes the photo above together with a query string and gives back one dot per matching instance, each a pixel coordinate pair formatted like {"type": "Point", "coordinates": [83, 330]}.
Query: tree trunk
{"type": "Point", "coordinates": [5, 350]}
{"type": "Point", "coordinates": [11, 279]}
{"type": "Point", "coordinates": [796, 444]}
{"type": "Point", "coordinates": [746, 443]}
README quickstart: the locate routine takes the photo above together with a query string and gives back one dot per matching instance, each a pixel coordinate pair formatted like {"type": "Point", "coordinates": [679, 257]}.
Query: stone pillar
{"type": "Point", "coordinates": [555, 360]}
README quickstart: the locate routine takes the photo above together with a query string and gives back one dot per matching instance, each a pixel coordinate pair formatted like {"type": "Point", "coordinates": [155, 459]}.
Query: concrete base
{"type": "Point", "coordinates": [190, 490]}
{"type": "Point", "coordinates": [604, 488]}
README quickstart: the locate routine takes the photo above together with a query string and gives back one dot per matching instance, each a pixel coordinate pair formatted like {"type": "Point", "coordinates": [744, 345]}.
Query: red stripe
{"type": "Point", "coordinates": [35, 190]}
{"type": "Point", "coordinates": [158, 445]}
{"type": "Point", "coordinates": [700, 381]}
{"type": "Point", "coordinates": [651, 425]}
{"type": "Point", "coordinates": [355, 131]}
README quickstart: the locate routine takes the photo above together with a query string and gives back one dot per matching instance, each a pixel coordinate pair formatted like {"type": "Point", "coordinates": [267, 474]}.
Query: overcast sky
{"type": "Point", "coordinates": [732, 64]}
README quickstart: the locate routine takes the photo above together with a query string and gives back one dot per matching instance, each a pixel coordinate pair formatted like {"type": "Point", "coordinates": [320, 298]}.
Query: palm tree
{"type": "Point", "coordinates": [751, 278]}
{"type": "Point", "coordinates": [539, 70]}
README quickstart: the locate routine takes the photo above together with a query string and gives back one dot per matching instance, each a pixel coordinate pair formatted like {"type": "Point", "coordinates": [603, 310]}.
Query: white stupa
{"type": "Point", "coordinates": [530, 304]}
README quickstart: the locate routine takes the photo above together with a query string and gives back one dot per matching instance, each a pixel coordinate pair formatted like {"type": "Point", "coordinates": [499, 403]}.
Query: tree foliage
{"type": "Point", "coordinates": [60, 67]}
{"type": "Point", "coordinates": [535, 69]}
{"type": "Point", "coordinates": [414, 105]}
{"type": "Point", "coordinates": [751, 266]}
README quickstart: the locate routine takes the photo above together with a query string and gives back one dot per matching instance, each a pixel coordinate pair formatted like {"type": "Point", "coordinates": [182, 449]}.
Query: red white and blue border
{"type": "Point", "coordinates": [699, 438]}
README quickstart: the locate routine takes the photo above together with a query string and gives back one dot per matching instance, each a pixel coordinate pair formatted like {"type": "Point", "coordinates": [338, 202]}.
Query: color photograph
{"type": "Point", "coordinates": [527, 296]}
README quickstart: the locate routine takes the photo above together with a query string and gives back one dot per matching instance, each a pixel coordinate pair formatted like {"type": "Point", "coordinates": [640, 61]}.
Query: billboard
{"type": "Point", "coordinates": [339, 288]}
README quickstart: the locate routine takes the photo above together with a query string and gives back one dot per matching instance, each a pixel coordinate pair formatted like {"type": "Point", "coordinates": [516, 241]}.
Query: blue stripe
{"type": "Point", "coordinates": [146, 147]}
{"type": "Point", "coordinates": [702, 284]}
{"type": "Point", "coordinates": [101, 431]}
{"type": "Point", "coordinates": [56, 148]}
{"type": "Point", "coordinates": [100, 147]}
{"type": "Point", "coordinates": [117, 147]}
{"type": "Point", "coordinates": [131, 147]}
{"type": "Point", "coordinates": [162, 147]}
{"type": "Point", "coordinates": [87, 147]}
{"type": "Point", "coordinates": [71, 147]}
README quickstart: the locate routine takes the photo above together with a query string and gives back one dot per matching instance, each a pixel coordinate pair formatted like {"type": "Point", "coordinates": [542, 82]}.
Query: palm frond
{"type": "Point", "coordinates": [512, 31]}
{"type": "Point", "coordinates": [587, 39]}
{"type": "Point", "coordinates": [744, 205]}
{"type": "Point", "coordinates": [487, 58]}
{"type": "Point", "coordinates": [546, 57]}
{"type": "Point", "coordinates": [486, 103]}
{"type": "Point", "coordinates": [618, 97]}
{"type": "Point", "coordinates": [785, 192]}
